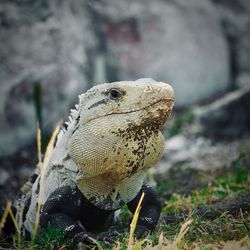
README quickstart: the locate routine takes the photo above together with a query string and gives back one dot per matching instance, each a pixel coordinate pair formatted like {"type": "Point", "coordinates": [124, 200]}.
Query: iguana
{"type": "Point", "coordinates": [99, 162]}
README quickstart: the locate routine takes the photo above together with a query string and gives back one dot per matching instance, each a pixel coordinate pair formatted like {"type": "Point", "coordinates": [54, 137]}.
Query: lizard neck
{"type": "Point", "coordinates": [99, 190]}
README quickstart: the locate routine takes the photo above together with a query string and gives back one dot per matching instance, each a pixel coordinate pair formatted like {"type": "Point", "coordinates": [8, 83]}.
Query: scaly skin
{"type": "Point", "coordinates": [99, 161]}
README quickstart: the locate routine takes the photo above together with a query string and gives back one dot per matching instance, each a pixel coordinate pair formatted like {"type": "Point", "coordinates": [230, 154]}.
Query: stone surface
{"type": "Point", "coordinates": [235, 19]}
{"type": "Point", "coordinates": [243, 80]}
{"type": "Point", "coordinates": [179, 41]}
{"type": "Point", "coordinates": [227, 118]}
{"type": "Point", "coordinates": [199, 153]}
{"type": "Point", "coordinates": [4, 176]}
{"type": "Point", "coordinates": [15, 171]}
{"type": "Point", "coordinates": [46, 42]}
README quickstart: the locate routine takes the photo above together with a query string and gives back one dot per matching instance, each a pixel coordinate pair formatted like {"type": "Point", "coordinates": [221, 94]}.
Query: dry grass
{"type": "Point", "coordinates": [4, 216]}
{"type": "Point", "coordinates": [163, 242]}
{"type": "Point", "coordinates": [133, 223]}
{"type": "Point", "coordinates": [43, 166]}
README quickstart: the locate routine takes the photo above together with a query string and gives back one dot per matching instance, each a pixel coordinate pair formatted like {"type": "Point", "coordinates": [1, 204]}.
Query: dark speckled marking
{"type": "Point", "coordinates": [32, 179]}
{"type": "Point", "coordinates": [26, 206]}
{"type": "Point", "coordinates": [77, 125]}
{"type": "Point", "coordinates": [107, 202]}
{"type": "Point", "coordinates": [140, 134]}
{"type": "Point", "coordinates": [103, 101]}
{"type": "Point", "coordinates": [38, 188]}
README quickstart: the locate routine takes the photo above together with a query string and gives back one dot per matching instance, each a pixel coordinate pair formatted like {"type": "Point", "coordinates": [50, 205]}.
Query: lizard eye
{"type": "Point", "coordinates": [115, 93]}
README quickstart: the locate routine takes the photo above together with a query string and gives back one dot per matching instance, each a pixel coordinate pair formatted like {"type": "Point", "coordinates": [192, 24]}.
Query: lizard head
{"type": "Point", "coordinates": [117, 130]}
{"type": "Point", "coordinates": [144, 101]}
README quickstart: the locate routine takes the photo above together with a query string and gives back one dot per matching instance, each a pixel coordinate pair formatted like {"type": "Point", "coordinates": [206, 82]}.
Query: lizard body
{"type": "Point", "coordinates": [100, 159]}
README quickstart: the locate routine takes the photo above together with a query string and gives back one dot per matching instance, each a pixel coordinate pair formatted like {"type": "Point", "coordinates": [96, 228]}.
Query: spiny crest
{"type": "Point", "coordinates": [72, 119]}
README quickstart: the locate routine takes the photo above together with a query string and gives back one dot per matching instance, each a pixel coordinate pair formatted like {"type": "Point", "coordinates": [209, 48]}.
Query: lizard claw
{"type": "Point", "coordinates": [141, 232]}
{"type": "Point", "coordinates": [85, 238]}
{"type": "Point", "coordinates": [109, 236]}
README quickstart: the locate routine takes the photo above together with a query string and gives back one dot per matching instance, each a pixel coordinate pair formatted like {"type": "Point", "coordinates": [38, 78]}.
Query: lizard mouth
{"type": "Point", "coordinates": [163, 106]}
{"type": "Point", "coordinates": [166, 103]}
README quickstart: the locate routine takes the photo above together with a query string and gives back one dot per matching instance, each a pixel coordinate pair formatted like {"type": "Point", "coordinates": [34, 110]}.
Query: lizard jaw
{"type": "Point", "coordinates": [168, 104]}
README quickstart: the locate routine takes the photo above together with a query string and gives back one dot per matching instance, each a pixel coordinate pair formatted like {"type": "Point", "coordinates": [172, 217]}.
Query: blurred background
{"type": "Point", "coordinates": [51, 51]}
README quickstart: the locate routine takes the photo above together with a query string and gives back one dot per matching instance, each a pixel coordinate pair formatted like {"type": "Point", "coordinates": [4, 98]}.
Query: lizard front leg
{"type": "Point", "coordinates": [62, 210]}
{"type": "Point", "coordinates": [150, 210]}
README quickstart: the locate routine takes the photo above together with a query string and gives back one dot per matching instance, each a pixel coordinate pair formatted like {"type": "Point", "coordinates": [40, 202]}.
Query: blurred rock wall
{"type": "Point", "coordinates": [46, 42]}
{"type": "Point", "coordinates": [201, 47]}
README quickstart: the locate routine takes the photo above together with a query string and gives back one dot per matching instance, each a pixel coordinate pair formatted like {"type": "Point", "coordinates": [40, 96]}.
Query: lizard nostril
{"type": "Point", "coordinates": [148, 89]}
